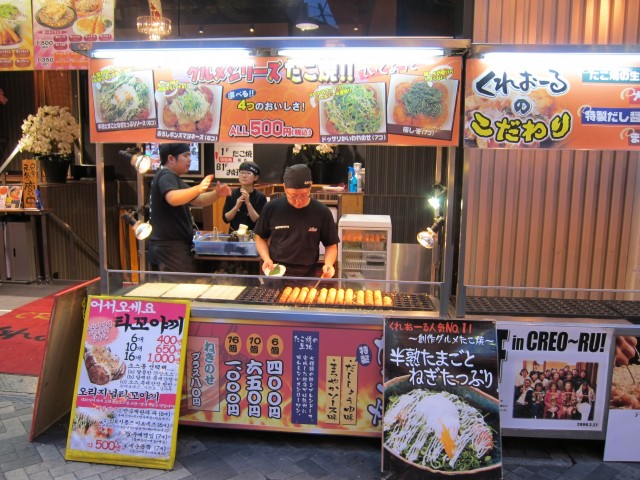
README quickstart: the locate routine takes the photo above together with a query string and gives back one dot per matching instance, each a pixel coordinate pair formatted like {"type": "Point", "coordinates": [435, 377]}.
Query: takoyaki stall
{"type": "Point", "coordinates": [283, 353]}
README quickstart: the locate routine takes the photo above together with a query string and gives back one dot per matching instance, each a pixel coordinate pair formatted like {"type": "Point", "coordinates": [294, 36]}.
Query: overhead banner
{"type": "Point", "coordinates": [562, 102]}
{"type": "Point", "coordinates": [16, 36]}
{"type": "Point", "coordinates": [284, 376]}
{"type": "Point", "coordinates": [57, 24]}
{"type": "Point", "coordinates": [277, 100]}
{"type": "Point", "coordinates": [126, 403]}
{"type": "Point", "coordinates": [441, 415]}
{"type": "Point", "coordinates": [553, 377]}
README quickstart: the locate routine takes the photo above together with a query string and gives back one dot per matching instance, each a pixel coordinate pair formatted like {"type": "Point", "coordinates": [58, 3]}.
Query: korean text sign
{"type": "Point", "coordinates": [569, 102]}
{"type": "Point", "coordinates": [441, 413]}
{"type": "Point", "coordinates": [553, 377]}
{"type": "Point", "coordinates": [278, 100]}
{"type": "Point", "coordinates": [284, 376]}
{"type": "Point", "coordinates": [126, 405]}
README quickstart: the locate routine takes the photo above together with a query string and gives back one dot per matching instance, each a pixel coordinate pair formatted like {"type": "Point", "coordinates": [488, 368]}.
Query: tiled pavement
{"type": "Point", "coordinates": [244, 455]}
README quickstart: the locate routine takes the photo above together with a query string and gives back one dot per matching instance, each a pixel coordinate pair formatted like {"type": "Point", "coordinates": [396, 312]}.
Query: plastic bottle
{"type": "Point", "coordinates": [353, 180]}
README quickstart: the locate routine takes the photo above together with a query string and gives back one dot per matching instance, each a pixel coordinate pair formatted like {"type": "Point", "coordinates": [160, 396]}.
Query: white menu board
{"type": "Point", "coordinates": [127, 402]}
{"type": "Point", "coordinates": [228, 157]}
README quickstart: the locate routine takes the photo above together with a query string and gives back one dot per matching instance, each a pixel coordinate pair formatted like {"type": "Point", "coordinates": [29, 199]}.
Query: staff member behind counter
{"type": "Point", "coordinates": [290, 229]}
{"type": "Point", "coordinates": [171, 241]}
{"type": "Point", "coordinates": [245, 203]}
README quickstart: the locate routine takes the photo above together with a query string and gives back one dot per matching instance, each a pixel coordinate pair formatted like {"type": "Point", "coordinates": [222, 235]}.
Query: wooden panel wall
{"type": "Point", "coordinates": [553, 219]}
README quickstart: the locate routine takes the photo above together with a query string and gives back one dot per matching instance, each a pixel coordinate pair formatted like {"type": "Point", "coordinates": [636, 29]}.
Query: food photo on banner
{"type": "Point", "coordinates": [553, 377]}
{"type": "Point", "coordinates": [126, 405]}
{"type": "Point", "coordinates": [441, 412]}
{"type": "Point", "coordinates": [624, 402]}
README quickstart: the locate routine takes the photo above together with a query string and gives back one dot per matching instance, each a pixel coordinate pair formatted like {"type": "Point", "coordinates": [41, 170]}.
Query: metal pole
{"type": "Point", "coordinates": [102, 223]}
{"type": "Point", "coordinates": [461, 289]}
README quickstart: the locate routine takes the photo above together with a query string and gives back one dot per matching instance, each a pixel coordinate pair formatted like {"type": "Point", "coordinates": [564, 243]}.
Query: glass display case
{"type": "Point", "coordinates": [365, 247]}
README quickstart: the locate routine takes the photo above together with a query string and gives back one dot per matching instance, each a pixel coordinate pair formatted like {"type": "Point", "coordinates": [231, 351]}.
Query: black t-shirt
{"type": "Point", "coordinates": [256, 198]}
{"type": "Point", "coordinates": [295, 233]}
{"type": "Point", "coordinates": [169, 223]}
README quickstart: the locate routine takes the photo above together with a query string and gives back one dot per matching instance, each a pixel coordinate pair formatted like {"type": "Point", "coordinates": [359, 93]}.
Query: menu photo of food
{"type": "Point", "coordinates": [102, 365]}
{"type": "Point", "coordinates": [189, 108]}
{"type": "Point", "coordinates": [421, 108]}
{"type": "Point", "coordinates": [91, 424]}
{"type": "Point", "coordinates": [124, 99]}
{"type": "Point", "coordinates": [353, 110]}
{"type": "Point", "coordinates": [11, 25]}
{"type": "Point", "coordinates": [440, 431]}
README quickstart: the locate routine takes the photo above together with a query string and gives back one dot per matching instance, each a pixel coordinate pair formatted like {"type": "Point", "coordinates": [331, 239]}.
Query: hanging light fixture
{"type": "Point", "coordinates": [436, 197]}
{"type": "Point", "coordinates": [138, 160]}
{"type": "Point", "coordinates": [305, 21]}
{"type": "Point", "coordinates": [140, 229]}
{"type": "Point", "coordinates": [427, 238]}
{"type": "Point", "coordinates": [154, 24]}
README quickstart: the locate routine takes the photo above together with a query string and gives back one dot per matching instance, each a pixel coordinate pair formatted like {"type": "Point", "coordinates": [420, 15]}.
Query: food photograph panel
{"type": "Point", "coordinates": [356, 109]}
{"type": "Point", "coordinates": [123, 99]}
{"type": "Point", "coordinates": [420, 108]}
{"type": "Point", "coordinates": [189, 109]}
{"type": "Point", "coordinates": [14, 24]}
{"type": "Point", "coordinates": [441, 412]}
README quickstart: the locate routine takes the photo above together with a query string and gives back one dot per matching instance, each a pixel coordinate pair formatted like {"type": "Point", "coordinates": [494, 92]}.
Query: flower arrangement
{"type": "Point", "coordinates": [311, 154]}
{"type": "Point", "coordinates": [52, 130]}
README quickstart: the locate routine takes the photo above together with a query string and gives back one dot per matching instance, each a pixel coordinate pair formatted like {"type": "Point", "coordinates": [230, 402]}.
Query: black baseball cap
{"type": "Point", "coordinates": [297, 176]}
{"type": "Point", "coordinates": [250, 167]}
{"type": "Point", "coordinates": [174, 149]}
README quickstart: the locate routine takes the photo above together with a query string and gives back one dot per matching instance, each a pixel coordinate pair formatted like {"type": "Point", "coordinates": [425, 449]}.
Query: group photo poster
{"type": "Point", "coordinates": [126, 402]}
{"type": "Point", "coordinates": [553, 377]}
{"type": "Point", "coordinates": [441, 411]}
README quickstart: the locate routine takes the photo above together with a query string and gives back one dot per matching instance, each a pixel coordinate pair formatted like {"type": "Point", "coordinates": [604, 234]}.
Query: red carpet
{"type": "Point", "coordinates": [23, 334]}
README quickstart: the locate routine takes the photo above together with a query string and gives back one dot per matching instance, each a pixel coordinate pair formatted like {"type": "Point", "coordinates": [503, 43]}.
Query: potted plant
{"type": "Point", "coordinates": [50, 135]}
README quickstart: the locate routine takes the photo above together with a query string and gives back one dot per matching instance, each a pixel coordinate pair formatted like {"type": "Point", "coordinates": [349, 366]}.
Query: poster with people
{"type": "Point", "coordinates": [553, 377]}
{"type": "Point", "coordinates": [624, 402]}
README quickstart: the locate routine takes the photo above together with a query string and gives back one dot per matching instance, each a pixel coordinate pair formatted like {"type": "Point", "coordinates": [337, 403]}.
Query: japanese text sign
{"type": "Point", "coordinates": [284, 376]}
{"type": "Point", "coordinates": [441, 410]}
{"type": "Point", "coordinates": [278, 100]}
{"type": "Point", "coordinates": [126, 401]}
{"type": "Point", "coordinates": [557, 103]}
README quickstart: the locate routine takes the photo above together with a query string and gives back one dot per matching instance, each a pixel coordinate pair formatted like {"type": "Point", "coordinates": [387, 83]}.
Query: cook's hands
{"type": "Point", "coordinates": [625, 350]}
{"type": "Point", "coordinates": [222, 189]}
{"type": "Point", "coordinates": [328, 271]}
{"type": "Point", "coordinates": [267, 265]}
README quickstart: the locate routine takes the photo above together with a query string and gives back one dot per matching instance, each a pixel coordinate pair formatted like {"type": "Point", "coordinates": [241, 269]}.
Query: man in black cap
{"type": "Point", "coordinates": [290, 229]}
{"type": "Point", "coordinates": [245, 203]}
{"type": "Point", "coordinates": [171, 241]}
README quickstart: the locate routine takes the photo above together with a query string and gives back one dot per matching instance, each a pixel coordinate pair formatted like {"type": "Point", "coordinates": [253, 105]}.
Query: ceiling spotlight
{"type": "Point", "coordinates": [141, 229]}
{"type": "Point", "coordinates": [435, 199]}
{"type": "Point", "coordinates": [200, 30]}
{"type": "Point", "coordinates": [139, 161]}
{"type": "Point", "coordinates": [427, 238]}
{"type": "Point", "coordinates": [252, 28]}
{"type": "Point", "coordinates": [304, 21]}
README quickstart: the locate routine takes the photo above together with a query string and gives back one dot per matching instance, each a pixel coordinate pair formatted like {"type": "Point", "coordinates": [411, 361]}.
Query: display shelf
{"type": "Point", "coordinates": [365, 246]}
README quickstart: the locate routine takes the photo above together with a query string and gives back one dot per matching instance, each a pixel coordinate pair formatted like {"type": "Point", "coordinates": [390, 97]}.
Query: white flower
{"type": "Point", "coordinates": [50, 130]}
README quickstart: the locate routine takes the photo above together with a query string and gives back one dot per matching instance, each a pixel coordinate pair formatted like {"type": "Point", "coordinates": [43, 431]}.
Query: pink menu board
{"type": "Point", "coordinates": [57, 24]}
{"type": "Point", "coordinates": [126, 399]}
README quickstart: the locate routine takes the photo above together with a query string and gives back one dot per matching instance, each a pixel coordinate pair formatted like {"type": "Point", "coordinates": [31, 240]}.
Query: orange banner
{"type": "Point", "coordinates": [563, 102]}
{"type": "Point", "coordinates": [276, 100]}
{"type": "Point", "coordinates": [284, 376]}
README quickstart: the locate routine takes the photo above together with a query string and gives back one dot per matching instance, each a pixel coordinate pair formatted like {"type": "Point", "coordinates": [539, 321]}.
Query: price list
{"type": "Point", "coordinates": [125, 407]}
